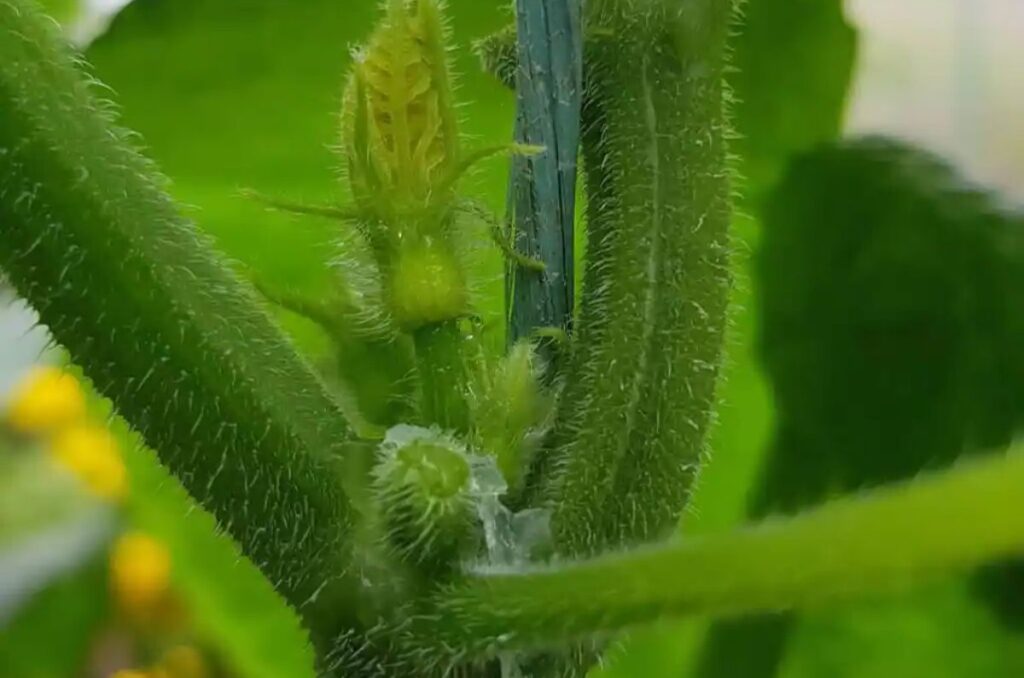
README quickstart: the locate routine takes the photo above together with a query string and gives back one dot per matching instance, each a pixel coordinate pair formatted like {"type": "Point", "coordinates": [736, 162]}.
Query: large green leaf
{"type": "Point", "coordinates": [936, 632]}
{"type": "Point", "coordinates": [885, 286]}
{"type": "Point", "coordinates": [794, 62]}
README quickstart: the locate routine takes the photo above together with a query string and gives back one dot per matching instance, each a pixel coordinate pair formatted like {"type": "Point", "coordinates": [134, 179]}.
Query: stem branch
{"type": "Point", "coordinates": [848, 547]}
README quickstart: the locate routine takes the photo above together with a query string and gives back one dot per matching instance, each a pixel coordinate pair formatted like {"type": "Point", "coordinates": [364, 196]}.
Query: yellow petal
{"type": "Point", "coordinates": [92, 453]}
{"type": "Point", "coordinates": [399, 128]}
{"type": "Point", "coordinates": [46, 399]}
{"type": "Point", "coordinates": [140, 573]}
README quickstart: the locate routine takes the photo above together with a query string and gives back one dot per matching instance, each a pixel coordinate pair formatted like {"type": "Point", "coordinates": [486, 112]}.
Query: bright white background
{"type": "Point", "coordinates": [948, 74]}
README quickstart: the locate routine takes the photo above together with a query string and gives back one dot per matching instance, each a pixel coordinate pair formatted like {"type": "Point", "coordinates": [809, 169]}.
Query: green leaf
{"type": "Point", "coordinates": [886, 288]}
{"type": "Point", "coordinates": [890, 292]}
{"type": "Point", "coordinates": [51, 636]}
{"type": "Point", "coordinates": [939, 631]}
{"type": "Point", "coordinates": [793, 66]}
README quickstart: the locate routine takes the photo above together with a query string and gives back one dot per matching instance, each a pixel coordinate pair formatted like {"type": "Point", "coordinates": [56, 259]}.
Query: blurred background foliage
{"type": "Point", "coordinates": [876, 331]}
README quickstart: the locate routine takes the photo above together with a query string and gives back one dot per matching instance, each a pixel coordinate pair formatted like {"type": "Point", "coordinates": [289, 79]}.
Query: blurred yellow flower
{"type": "Point", "coordinates": [183, 661]}
{"type": "Point", "coordinates": [92, 453]}
{"type": "Point", "coordinates": [140, 572]}
{"type": "Point", "coordinates": [130, 673]}
{"type": "Point", "coordinates": [46, 399]}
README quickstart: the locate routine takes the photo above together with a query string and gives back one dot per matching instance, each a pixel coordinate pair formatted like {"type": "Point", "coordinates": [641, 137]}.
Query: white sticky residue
{"type": "Point", "coordinates": [511, 538]}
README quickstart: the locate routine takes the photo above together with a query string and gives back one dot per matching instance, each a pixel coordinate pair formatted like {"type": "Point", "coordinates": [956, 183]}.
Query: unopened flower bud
{"type": "Point", "coordinates": [399, 129]}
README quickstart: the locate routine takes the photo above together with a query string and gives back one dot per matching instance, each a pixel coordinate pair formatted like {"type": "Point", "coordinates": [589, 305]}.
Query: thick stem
{"type": "Point", "coordinates": [849, 547]}
{"type": "Point", "coordinates": [641, 383]}
{"type": "Point", "coordinates": [157, 321]}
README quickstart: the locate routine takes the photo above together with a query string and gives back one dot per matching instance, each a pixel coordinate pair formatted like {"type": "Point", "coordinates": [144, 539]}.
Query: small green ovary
{"type": "Point", "coordinates": [422, 488]}
{"type": "Point", "coordinates": [427, 286]}
{"type": "Point", "coordinates": [441, 473]}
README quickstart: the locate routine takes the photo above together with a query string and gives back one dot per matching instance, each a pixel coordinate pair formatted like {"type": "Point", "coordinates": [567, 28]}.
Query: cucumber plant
{"type": "Point", "coordinates": [454, 512]}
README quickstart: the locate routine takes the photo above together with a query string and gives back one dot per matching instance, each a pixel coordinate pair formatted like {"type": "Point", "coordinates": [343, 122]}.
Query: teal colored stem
{"type": "Point", "coordinates": [542, 187]}
{"type": "Point", "coordinates": [441, 360]}
{"type": "Point", "coordinates": [641, 383]}
{"type": "Point", "coordinates": [156, 319]}
{"type": "Point", "coordinates": [863, 544]}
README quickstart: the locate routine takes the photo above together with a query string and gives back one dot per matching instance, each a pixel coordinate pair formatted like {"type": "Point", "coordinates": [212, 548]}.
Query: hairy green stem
{"type": "Point", "coordinates": [375, 367]}
{"type": "Point", "coordinates": [849, 547]}
{"type": "Point", "coordinates": [444, 376]}
{"type": "Point", "coordinates": [641, 382]}
{"type": "Point", "coordinates": [157, 321]}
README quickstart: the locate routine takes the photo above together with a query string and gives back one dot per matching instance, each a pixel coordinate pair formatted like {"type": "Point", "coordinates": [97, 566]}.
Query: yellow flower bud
{"type": "Point", "coordinates": [140, 574]}
{"type": "Point", "coordinates": [92, 453]}
{"type": "Point", "coordinates": [46, 399]}
{"type": "Point", "coordinates": [399, 128]}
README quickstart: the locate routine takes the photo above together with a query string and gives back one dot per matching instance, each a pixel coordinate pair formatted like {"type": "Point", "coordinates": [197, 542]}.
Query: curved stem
{"type": "Point", "coordinates": [640, 386]}
{"type": "Point", "coordinates": [848, 547]}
